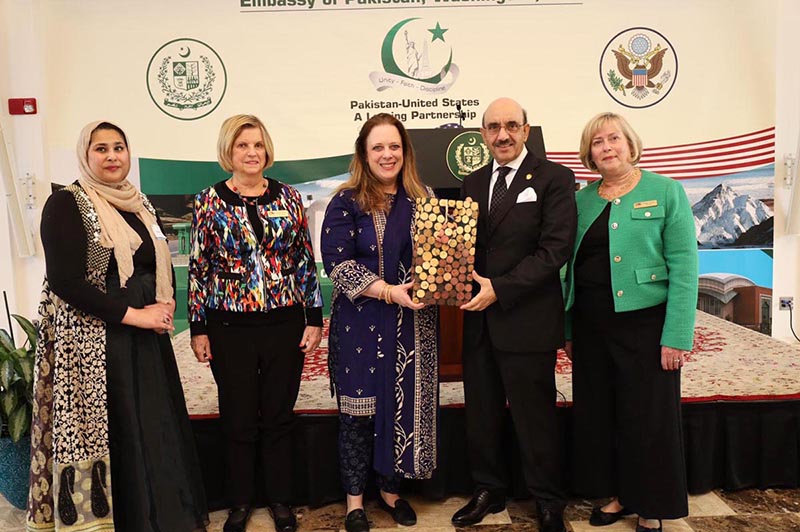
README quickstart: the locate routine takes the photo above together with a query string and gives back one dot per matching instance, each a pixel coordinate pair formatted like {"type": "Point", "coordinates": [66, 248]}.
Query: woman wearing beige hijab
{"type": "Point", "coordinates": [110, 421]}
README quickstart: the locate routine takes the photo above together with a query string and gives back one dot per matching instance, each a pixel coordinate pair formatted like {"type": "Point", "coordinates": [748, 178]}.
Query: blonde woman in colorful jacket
{"type": "Point", "coordinates": [255, 311]}
{"type": "Point", "coordinates": [631, 298]}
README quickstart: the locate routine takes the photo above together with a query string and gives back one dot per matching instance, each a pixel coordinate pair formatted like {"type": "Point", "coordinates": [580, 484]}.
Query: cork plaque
{"type": "Point", "coordinates": [444, 250]}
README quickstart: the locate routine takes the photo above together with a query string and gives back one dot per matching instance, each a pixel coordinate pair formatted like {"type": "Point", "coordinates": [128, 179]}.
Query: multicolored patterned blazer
{"type": "Point", "coordinates": [229, 270]}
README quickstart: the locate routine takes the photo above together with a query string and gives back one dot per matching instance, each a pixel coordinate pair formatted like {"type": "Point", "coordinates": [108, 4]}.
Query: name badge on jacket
{"type": "Point", "coordinates": [158, 233]}
{"type": "Point", "coordinates": [280, 213]}
{"type": "Point", "coordinates": [645, 204]}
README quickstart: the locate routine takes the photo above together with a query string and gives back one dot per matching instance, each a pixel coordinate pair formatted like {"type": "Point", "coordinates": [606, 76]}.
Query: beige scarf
{"type": "Point", "coordinates": [108, 200]}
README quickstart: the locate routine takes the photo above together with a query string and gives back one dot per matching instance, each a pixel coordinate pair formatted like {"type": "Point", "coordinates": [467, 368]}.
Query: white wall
{"type": "Point", "coordinates": [21, 60]}
{"type": "Point", "coordinates": [787, 129]}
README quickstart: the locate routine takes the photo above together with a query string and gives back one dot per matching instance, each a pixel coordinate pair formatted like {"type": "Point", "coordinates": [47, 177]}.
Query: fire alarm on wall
{"type": "Point", "coordinates": [22, 106]}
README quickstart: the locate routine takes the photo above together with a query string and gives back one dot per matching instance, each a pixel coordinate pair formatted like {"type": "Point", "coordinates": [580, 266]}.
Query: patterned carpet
{"type": "Point", "coordinates": [717, 511]}
{"type": "Point", "coordinates": [728, 363]}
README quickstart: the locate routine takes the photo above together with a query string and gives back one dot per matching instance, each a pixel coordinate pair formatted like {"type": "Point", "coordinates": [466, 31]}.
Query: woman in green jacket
{"type": "Point", "coordinates": [631, 298]}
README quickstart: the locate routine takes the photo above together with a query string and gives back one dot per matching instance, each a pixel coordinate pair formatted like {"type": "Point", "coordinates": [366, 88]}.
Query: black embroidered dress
{"type": "Point", "coordinates": [155, 476]}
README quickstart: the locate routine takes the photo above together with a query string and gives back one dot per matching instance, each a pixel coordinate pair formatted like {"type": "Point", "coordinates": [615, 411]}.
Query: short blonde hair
{"type": "Point", "coordinates": [231, 129]}
{"type": "Point", "coordinates": [591, 128]}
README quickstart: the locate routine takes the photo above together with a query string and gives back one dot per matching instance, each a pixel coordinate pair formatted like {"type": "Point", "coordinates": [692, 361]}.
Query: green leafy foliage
{"type": "Point", "coordinates": [16, 381]}
{"type": "Point", "coordinates": [615, 81]}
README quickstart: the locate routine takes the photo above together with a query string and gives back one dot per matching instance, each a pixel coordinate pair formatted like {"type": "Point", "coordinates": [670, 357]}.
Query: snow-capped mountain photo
{"type": "Point", "coordinates": [723, 215]}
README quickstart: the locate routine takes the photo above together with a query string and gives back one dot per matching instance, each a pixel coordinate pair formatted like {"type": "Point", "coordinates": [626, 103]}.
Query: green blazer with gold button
{"type": "Point", "coordinates": [652, 251]}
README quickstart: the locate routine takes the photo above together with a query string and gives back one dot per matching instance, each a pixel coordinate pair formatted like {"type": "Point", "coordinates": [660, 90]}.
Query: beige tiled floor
{"type": "Point", "coordinates": [629, 524]}
{"type": "Point", "coordinates": [11, 519]}
{"type": "Point", "coordinates": [707, 505]}
{"type": "Point", "coordinates": [718, 511]}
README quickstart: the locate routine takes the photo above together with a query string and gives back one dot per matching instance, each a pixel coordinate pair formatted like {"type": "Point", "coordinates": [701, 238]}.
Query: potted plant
{"type": "Point", "coordinates": [16, 405]}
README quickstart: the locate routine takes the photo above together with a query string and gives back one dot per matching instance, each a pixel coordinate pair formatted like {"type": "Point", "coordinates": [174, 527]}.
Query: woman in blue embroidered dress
{"type": "Point", "coordinates": [383, 346]}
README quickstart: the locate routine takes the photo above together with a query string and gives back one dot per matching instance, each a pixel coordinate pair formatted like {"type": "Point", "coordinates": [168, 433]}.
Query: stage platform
{"type": "Point", "coordinates": [741, 414]}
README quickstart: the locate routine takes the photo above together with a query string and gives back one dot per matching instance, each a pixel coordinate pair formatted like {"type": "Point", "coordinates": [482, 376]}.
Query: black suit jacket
{"type": "Point", "coordinates": [522, 254]}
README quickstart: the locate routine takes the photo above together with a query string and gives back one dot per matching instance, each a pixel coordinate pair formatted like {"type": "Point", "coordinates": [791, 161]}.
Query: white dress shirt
{"type": "Point", "coordinates": [514, 165]}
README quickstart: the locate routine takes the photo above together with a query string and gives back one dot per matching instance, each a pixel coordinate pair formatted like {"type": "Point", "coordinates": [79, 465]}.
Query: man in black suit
{"type": "Point", "coordinates": [515, 320]}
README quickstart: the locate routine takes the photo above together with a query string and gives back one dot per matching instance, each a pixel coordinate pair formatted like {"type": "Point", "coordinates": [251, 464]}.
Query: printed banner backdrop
{"type": "Point", "coordinates": [693, 78]}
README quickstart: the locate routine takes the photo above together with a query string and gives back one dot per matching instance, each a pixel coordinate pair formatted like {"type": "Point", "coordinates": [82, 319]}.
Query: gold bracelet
{"type": "Point", "coordinates": [384, 290]}
{"type": "Point", "coordinates": [389, 295]}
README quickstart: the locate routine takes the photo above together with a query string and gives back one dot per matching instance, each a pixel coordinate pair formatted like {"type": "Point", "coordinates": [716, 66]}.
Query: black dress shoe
{"type": "Point", "coordinates": [284, 518]}
{"type": "Point", "coordinates": [640, 528]}
{"type": "Point", "coordinates": [237, 519]}
{"type": "Point", "coordinates": [601, 518]}
{"type": "Point", "coordinates": [477, 508]}
{"type": "Point", "coordinates": [551, 518]}
{"type": "Point", "coordinates": [402, 513]}
{"type": "Point", "coordinates": [356, 521]}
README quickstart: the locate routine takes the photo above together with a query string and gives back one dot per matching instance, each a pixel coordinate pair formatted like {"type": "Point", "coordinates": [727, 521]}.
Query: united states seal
{"type": "Point", "coordinates": [638, 67]}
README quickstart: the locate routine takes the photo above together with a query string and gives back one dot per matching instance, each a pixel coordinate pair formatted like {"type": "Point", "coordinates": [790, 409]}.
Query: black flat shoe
{"type": "Point", "coordinates": [356, 521]}
{"type": "Point", "coordinates": [237, 519]}
{"type": "Point", "coordinates": [551, 517]}
{"type": "Point", "coordinates": [284, 518]}
{"type": "Point", "coordinates": [402, 513]}
{"type": "Point", "coordinates": [477, 508]}
{"type": "Point", "coordinates": [640, 528]}
{"type": "Point", "coordinates": [601, 518]}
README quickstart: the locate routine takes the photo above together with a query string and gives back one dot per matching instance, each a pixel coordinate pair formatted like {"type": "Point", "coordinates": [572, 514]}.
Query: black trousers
{"type": "Point", "coordinates": [257, 369]}
{"type": "Point", "coordinates": [356, 448]}
{"type": "Point", "coordinates": [628, 438]}
{"type": "Point", "coordinates": [527, 381]}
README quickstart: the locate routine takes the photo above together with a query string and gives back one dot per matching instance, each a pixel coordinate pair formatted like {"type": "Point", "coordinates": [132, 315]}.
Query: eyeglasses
{"type": "Point", "coordinates": [510, 127]}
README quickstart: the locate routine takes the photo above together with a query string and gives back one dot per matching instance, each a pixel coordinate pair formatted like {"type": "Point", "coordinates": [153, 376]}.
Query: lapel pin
{"type": "Point", "coordinates": [528, 177]}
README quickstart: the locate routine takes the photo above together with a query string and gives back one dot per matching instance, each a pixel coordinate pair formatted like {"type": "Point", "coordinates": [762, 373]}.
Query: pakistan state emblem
{"type": "Point", "coordinates": [466, 153]}
{"type": "Point", "coordinates": [415, 55]}
{"type": "Point", "coordinates": [638, 67]}
{"type": "Point", "coordinates": [186, 79]}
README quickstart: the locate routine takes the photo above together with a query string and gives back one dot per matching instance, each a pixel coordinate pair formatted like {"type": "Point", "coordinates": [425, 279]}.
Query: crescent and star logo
{"type": "Point", "coordinates": [415, 55]}
{"type": "Point", "coordinates": [466, 153]}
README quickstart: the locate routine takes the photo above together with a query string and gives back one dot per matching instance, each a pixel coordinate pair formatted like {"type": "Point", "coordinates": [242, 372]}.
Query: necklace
{"type": "Point", "coordinates": [251, 200]}
{"type": "Point", "coordinates": [620, 187]}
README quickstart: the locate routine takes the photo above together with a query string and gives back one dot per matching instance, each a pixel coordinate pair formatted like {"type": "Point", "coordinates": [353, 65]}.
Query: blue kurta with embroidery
{"type": "Point", "coordinates": [383, 358]}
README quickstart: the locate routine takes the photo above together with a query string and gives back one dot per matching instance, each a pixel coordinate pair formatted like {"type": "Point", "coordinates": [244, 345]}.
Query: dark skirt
{"type": "Point", "coordinates": [155, 473]}
{"type": "Point", "coordinates": [628, 439]}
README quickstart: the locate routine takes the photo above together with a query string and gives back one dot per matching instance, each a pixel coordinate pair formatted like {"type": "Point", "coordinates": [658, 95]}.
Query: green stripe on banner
{"type": "Point", "coordinates": [162, 176]}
